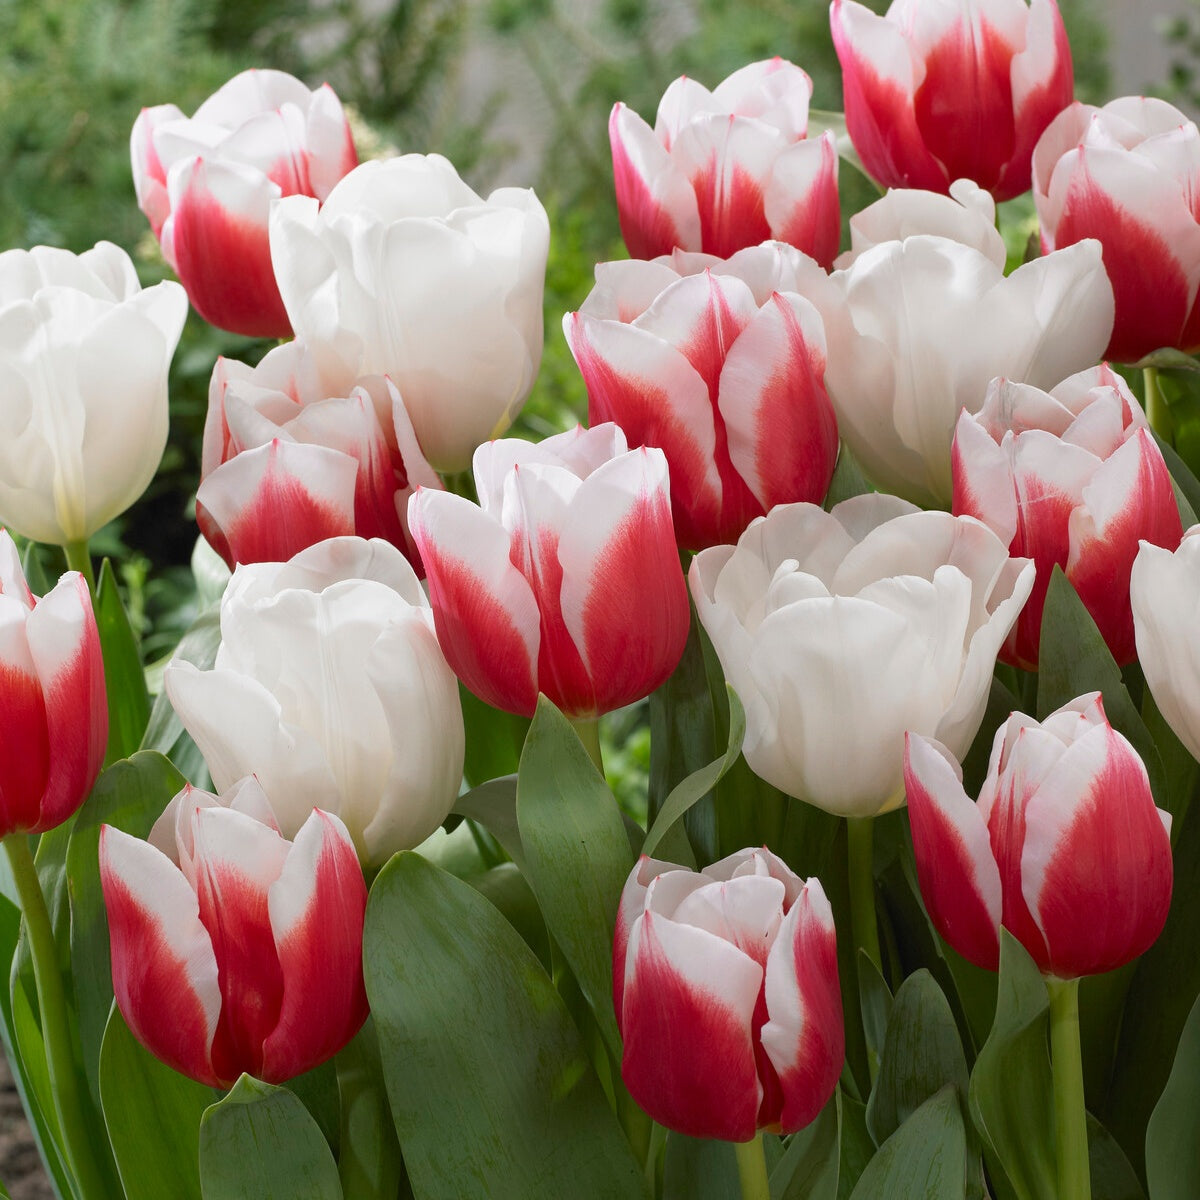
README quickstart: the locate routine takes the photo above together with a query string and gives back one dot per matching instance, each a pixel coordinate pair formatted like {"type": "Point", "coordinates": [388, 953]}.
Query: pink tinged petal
{"type": "Point", "coordinates": [221, 251]}
{"type": "Point", "coordinates": [237, 860]}
{"type": "Point", "coordinates": [316, 908]}
{"type": "Point", "coordinates": [960, 882]}
{"type": "Point", "coordinates": [982, 475]}
{"type": "Point", "coordinates": [800, 201]}
{"type": "Point", "coordinates": [331, 153]}
{"type": "Point", "coordinates": [271, 502]}
{"type": "Point", "coordinates": [1129, 499]}
{"type": "Point", "coordinates": [149, 174]}
{"type": "Point", "coordinates": [24, 745]}
{"type": "Point", "coordinates": [631, 906]}
{"type": "Point", "coordinates": [624, 599]}
{"type": "Point", "coordinates": [163, 966]}
{"type": "Point", "coordinates": [804, 1038]}
{"type": "Point", "coordinates": [655, 201]}
{"type": "Point", "coordinates": [689, 1002]}
{"type": "Point", "coordinates": [1096, 868]}
{"type": "Point", "coordinates": [484, 610]}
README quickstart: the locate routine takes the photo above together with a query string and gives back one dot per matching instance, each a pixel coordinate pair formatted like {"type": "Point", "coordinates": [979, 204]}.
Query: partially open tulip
{"type": "Point", "coordinates": [1064, 848]}
{"type": "Point", "coordinates": [840, 630]}
{"type": "Point", "coordinates": [950, 89]}
{"type": "Point", "coordinates": [291, 459]}
{"type": "Point", "coordinates": [330, 687]}
{"type": "Point", "coordinates": [721, 365]}
{"type": "Point", "coordinates": [726, 989]}
{"type": "Point", "coordinates": [727, 169]}
{"type": "Point", "coordinates": [410, 274]}
{"type": "Point", "coordinates": [234, 949]}
{"type": "Point", "coordinates": [1127, 174]}
{"type": "Point", "coordinates": [206, 184]}
{"type": "Point", "coordinates": [564, 579]}
{"type": "Point", "coordinates": [84, 353]}
{"type": "Point", "coordinates": [1072, 477]}
{"type": "Point", "coordinates": [53, 708]}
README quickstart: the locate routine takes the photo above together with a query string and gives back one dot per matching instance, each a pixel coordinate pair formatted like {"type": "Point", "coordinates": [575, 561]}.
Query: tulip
{"type": "Point", "coordinates": [206, 184]}
{"type": "Point", "coordinates": [564, 579]}
{"type": "Point", "coordinates": [841, 630]}
{"type": "Point", "coordinates": [726, 989]}
{"type": "Point", "coordinates": [1073, 478]}
{"type": "Point", "coordinates": [84, 353]}
{"type": "Point", "coordinates": [330, 687]}
{"type": "Point", "coordinates": [409, 274]}
{"type": "Point", "coordinates": [727, 169]}
{"type": "Point", "coordinates": [916, 329]}
{"type": "Point", "coordinates": [1126, 174]}
{"type": "Point", "coordinates": [721, 365]}
{"type": "Point", "coordinates": [53, 707]}
{"type": "Point", "coordinates": [1163, 592]}
{"type": "Point", "coordinates": [290, 460]}
{"type": "Point", "coordinates": [957, 89]}
{"type": "Point", "coordinates": [1065, 847]}
{"type": "Point", "coordinates": [235, 949]}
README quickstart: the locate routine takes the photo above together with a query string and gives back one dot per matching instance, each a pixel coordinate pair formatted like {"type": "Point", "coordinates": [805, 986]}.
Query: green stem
{"type": "Point", "coordinates": [1155, 405]}
{"type": "Point", "coordinates": [588, 729]}
{"type": "Point", "coordinates": [79, 559]}
{"type": "Point", "coordinates": [56, 1027]}
{"type": "Point", "coordinates": [1070, 1118]}
{"type": "Point", "coordinates": [634, 1122]}
{"type": "Point", "coordinates": [752, 1169]}
{"type": "Point", "coordinates": [860, 851]}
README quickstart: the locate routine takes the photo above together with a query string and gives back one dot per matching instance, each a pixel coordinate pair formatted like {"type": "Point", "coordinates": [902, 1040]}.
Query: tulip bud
{"type": "Point", "coordinates": [1064, 848]}
{"type": "Point", "coordinates": [233, 949]}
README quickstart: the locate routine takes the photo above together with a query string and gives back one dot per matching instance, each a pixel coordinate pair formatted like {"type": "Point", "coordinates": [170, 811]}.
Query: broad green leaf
{"type": "Point", "coordinates": [699, 1169]}
{"type": "Point", "coordinates": [1011, 1089]}
{"type": "Point", "coordinates": [494, 739]}
{"type": "Point", "coordinates": [1173, 1134]}
{"type": "Point", "coordinates": [369, 1161]}
{"type": "Point", "coordinates": [924, 1159]}
{"type": "Point", "coordinates": [260, 1143]}
{"type": "Point", "coordinates": [1180, 768]}
{"type": "Point", "coordinates": [856, 1149]}
{"type": "Point", "coordinates": [1185, 482]}
{"type": "Point", "coordinates": [875, 1001]}
{"type": "Point", "coordinates": [484, 1067]}
{"type": "Point", "coordinates": [1112, 1176]}
{"type": "Point", "coordinates": [509, 891]}
{"type": "Point", "coordinates": [808, 1169]}
{"type": "Point", "coordinates": [577, 856]}
{"type": "Point", "coordinates": [153, 1116]}
{"type": "Point", "coordinates": [1176, 360]}
{"type": "Point", "coordinates": [124, 679]}
{"type": "Point", "coordinates": [317, 1090]}
{"type": "Point", "coordinates": [494, 806]}
{"type": "Point", "coordinates": [848, 480]}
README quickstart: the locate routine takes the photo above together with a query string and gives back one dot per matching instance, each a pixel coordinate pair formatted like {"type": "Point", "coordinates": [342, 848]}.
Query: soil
{"type": "Point", "coordinates": [21, 1169]}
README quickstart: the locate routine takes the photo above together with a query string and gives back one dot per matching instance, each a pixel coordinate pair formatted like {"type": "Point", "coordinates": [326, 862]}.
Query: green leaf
{"type": "Point", "coordinates": [698, 785]}
{"type": "Point", "coordinates": [875, 1000]}
{"type": "Point", "coordinates": [494, 806]}
{"type": "Point", "coordinates": [1112, 1176]}
{"type": "Point", "coordinates": [369, 1161]}
{"type": "Point", "coordinates": [848, 480]}
{"type": "Point", "coordinates": [699, 1169]}
{"type": "Point", "coordinates": [153, 1117]}
{"type": "Point", "coordinates": [808, 1169]}
{"type": "Point", "coordinates": [1175, 360]}
{"type": "Point", "coordinates": [128, 700]}
{"type": "Point", "coordinates": [1173, 1134]}
{"type": "Point", "coordinates": [259, 1143]}
{"type": "Point", "coordinates": [1185, 482]}
{"type": "Point", "coordinates": [856, 1148]}
{"type": "Point", "coordinates": [924, 1159]}
{"type": "Point", "coordinates": [509, 891]}
{"type": "Point", "coordinates": [485, 1070]}
{"type": "Point", "coordinates": [494, 739]}
{"type": "Point", "coordinates": [1011, 1088]}
{"type": "Point", "coordinates": [577, 857]}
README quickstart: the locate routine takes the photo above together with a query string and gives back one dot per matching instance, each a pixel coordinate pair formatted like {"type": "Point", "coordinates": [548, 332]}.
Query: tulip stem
{"type": "Point", "coordinates": [1155, 405]}
{"type": "Point", "coordinates": [860, 850]}
{"type": "Point", "coordinates": [588, 729]}
{"type": "Point", "coordinates": [56, 1028]}
{"type": "Point", "coordinates": [1070, 1118]}
{"type": "Point", "coordinates": [752, 1169]}
{"type": "Point", "coordinates": [79, 559]}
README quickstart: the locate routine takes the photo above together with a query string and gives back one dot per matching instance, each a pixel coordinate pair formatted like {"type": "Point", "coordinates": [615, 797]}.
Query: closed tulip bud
{"type": "Point", "coordinates": [727, 169]}
{"type": "Point", "coordinates": [1071, 478]}
{"type": "Point", "coordinates": [234, 949]}
{"type": "Point", "coordinates": [206, 184]}
{"type": "Point", "coordinates": [564, 579]}
{"type": "Point", "coordinates": [53, 707]}
{"type": "Point", "coordinates": [1064, 848]}
{"type": "Point", "coordinates": [726, 990]}
{"type": "Point", "coordinates": [955, 89]}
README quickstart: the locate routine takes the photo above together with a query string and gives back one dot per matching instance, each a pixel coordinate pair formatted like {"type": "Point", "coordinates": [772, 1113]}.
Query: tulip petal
{"type": "Point", "coordinates": [800, 200]}
{"type": "Point", "coordinates": [630, 908]}
{"type": "Point", "coordinates": [24, 745]}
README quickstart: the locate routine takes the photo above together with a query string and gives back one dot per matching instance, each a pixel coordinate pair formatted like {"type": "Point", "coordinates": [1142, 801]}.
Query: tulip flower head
{"type": "Point", "coordinates": [564, 579]}
{"type": "Point", "coordinates": [53, 706]}
{"type": "Point", "coordinates": [727, 169]}
{"type": "Point", "coordinates": [234, 949]}
{"type": "Point", "coordinates": [1064, 848]}
{"type": "Point", "coordinates": [840, 630]}
{"type": "Point", "coordinates": [721, 365]}
{"type": "Point", "coordinates": [1071, 477]}
{"type": "Point", "coordinates": [206, 184]}
{"type": "Point", "coordinates": [938, 90]}
{"type": "Point", "coordinates": [726, 989]}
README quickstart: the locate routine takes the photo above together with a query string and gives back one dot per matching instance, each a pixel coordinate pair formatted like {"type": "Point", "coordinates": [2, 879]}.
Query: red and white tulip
{"type": "Point", "coordinates": [725, 983]}
{"type": "Point", "coordinates": [720, 364]}
{"type": "Point", "coordinates": [1064, 848]}
{"type": "Point", "coordinates": [234, 949]}
{"type": "Point", "coordinates": [1072, 477]}
{"type": "Point", "coordinates": [727, 169]}
{"type": "Point", "coordinates": [564, 579]}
